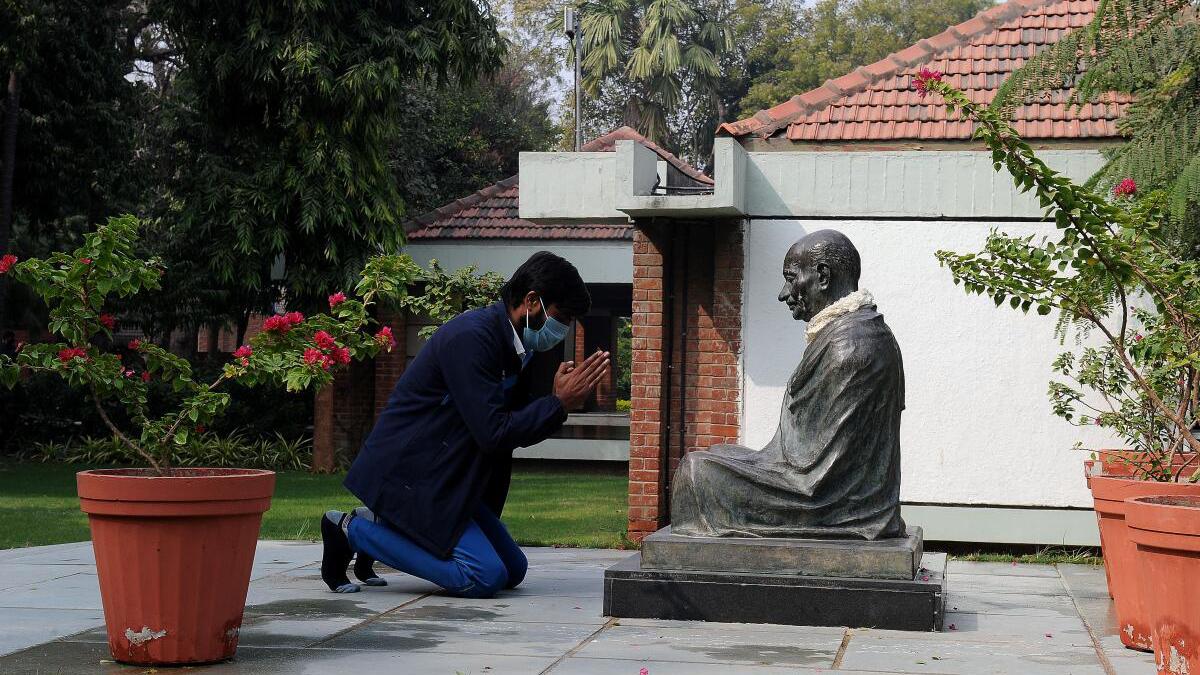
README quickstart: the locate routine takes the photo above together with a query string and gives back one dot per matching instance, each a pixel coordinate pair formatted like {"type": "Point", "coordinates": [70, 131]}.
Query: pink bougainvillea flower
{"type": "Point", "coordinates": [65, 355]}
{"type": "Point", "coordinates": [277, 324]}
{"type": "Point", "coordinates": [385, 339]}
{"type": "Point", "coordinates": [324, 340]}
{"type": "Point", "coordinates": [6, 262]}
{"type": "Point", "coordinates": [129, 373]}
{"type": "Point", "coordinates": [145, 376]}
{"type": "Point", "coordinates": [340, 355]}
{"type": "Point", "coordinates": [135, 344]}
{"type": "Point", "coordinates": [243, 353]}
{"type": "Point", "coordinates": [1139, 337]}
{"type": "Point", "coordinates": [294, 318]}
{"type": "Point", "coordinates": [86, 261]}
{"type": "Point", "coordinates": [1126, 188]}
{"type": "Point", "coordinates": [108, 321]}
{"type": "Point", "coordinates": [336, 299]}
{"type": "Point", "coordinates": [312, 356]}
{"type": "Point", "coordinates": [644, 671]}
{"type": "Point", "coordinates": [922, 79]}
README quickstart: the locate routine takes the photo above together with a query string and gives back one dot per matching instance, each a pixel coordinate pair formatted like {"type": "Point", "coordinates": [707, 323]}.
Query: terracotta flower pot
{"type": "Point", "coordinates": [1166, 531]}
{"type": "Point", "coordinates": [173, 554]}
{"type": "Point", "coordinates": [1120, 555]}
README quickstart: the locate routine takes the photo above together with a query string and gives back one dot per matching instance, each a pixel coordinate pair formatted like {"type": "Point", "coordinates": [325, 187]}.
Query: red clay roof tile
{"type": "Point", "coordinates": [877, 101]}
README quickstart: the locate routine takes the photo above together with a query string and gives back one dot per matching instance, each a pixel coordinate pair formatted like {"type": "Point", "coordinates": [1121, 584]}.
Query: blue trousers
{"type": "Point", "coordinates": [484, 561]}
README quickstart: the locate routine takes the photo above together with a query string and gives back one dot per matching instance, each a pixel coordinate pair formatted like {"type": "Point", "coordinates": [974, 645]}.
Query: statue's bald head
{"type": "Point", "coordinates": [818, 270]}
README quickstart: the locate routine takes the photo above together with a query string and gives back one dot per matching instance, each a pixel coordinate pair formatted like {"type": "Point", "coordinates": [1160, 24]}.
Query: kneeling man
{"type": "Point", "coordinates": [434, 472]}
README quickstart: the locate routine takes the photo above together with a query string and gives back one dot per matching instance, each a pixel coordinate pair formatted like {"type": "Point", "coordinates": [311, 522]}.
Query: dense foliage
{"type": "Point", "coordinates": [291, 108]}
{"type": "Point", "coordinates": [1150, 50]}
{"type": "Point", "coordinates": [294, 351]}
{"type": "Point", "coordinates": [1107, 271]}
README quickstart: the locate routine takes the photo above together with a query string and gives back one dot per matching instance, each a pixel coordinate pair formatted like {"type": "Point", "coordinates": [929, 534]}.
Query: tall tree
{"type": "Point", "coordinates": [643, 58]}
{"type": "Point", "coordinates": [1149, 49]}
{"type": "Point", "coordinates": [462, 137]}
{"type": "Point", "coordinates": [287, 110]}
{"type": "Point", "coordinates": [68, 137]}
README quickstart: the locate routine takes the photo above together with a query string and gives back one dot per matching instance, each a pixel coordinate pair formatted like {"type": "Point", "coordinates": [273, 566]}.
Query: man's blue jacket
{"type": "Point", "coordinates": [445, 440]}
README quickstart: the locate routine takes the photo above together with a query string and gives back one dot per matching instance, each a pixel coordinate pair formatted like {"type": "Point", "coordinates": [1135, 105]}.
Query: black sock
{"type": "Point", "coordinates": [364, 570]}
{"type": "Point", "coordinates": [363, 563]}
{"type": "Point", "coordinates": [337, 553]}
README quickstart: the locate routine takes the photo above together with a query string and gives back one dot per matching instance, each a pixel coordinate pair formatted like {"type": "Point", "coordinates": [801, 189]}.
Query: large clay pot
{"type": "Point", "coordinates": [1126, 462]}
{"type": "Point", "coordinates": [1120, 555]}
{"type": "Point", "coordinates": [1166, 531]}
{"type": "Point", "coordinates": [173, 554]}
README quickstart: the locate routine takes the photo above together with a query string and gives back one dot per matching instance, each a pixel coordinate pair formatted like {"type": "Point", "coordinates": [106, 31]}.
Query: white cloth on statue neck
{"type": "Point", "coordinates": [850, 303]}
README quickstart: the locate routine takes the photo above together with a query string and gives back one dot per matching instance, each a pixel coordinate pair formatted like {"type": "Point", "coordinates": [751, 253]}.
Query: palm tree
{"type": "Point", "coordinates": [1149, 49]}
{"type": "Point", "coordinates": [646, 57]}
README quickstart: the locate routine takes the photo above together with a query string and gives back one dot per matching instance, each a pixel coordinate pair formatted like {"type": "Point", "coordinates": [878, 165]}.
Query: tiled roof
{"type": "Point", "coordinates": [608, 143]}
{"type": "Point", "coordinates": [877, 102]}
{"type": "Point", "coordinates": [492, 213]}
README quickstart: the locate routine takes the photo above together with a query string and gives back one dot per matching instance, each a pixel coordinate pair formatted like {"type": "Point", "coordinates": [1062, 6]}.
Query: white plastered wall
{"type": "Point", "coordinates": [978, 429]}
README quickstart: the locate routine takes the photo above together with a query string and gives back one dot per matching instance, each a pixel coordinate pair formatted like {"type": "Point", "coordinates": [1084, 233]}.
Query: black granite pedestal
{"type": "Point", "coordinates": [803, 582]}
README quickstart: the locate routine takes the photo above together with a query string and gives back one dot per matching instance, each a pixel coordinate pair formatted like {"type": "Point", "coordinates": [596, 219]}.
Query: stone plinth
{"type": "Point", "coordinates": [885, 559]}
{"type": "Point", "coordinates": [802, 582]}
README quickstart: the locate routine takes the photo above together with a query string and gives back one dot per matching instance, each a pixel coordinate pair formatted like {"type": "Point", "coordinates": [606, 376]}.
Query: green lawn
{"type": "Point", "coordinates": [545, 507]}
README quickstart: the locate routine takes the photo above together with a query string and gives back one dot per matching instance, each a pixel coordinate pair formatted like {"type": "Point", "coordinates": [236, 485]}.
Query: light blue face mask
{"type": "Point", "coordinates": [549, 336]}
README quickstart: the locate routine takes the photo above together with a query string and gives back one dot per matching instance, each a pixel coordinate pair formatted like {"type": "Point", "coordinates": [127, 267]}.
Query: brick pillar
{"type": "Point", "coordinates": [389, 366]}
{"type": "Point", "coordinates": [322, 460]}
{"type": "Point", "coordinates": [346, 409]}
{"type": "Point", "coordinates": [646, 504]}
{"type": "Point", "coordinates": [702, 266]}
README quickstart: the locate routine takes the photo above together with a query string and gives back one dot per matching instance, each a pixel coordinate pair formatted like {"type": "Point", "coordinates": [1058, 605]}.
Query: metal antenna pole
{"type": "Point", "coordinates": [574, 30]}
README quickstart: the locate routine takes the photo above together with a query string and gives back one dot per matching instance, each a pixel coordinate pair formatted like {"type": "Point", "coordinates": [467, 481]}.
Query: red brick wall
{"type": "Point", "coordinates": [701, 265]}
{"type": "Point", "coordinates": [345, 410]}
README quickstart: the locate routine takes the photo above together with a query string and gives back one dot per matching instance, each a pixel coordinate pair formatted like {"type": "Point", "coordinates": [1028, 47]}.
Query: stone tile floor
{"type": "Point", "coordinates": [1001, 618]}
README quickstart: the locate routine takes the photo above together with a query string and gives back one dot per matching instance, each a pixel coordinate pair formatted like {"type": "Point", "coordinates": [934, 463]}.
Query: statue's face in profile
{"type": "Point", "coordinates": [801, 286]}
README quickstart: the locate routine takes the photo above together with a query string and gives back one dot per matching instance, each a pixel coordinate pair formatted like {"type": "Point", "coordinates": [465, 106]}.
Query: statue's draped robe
{"type": "Point", "coordinates": [833, 468]}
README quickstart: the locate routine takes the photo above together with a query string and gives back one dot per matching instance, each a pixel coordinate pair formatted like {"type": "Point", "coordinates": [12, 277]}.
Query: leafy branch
{"type": "Point", "coordinates": [1106, 262]}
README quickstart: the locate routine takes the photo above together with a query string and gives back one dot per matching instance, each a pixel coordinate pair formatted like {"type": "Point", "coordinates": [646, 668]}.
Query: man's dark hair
{"type": "Point", "coordinates": [554, 279]}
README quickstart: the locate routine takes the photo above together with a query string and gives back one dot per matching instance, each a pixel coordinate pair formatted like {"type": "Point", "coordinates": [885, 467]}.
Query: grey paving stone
{"type": "Point", "coordinates": [1009, 604]}
{"type": "Point", "coordinates": [507, 607]}
{"type": "Point", "coordinates": [995, 583]}
{"type": "Point", "coordinates": [293, 631]}
{"type": "Point", "coordinates": [1084, 581]}
{"type": "Point", "coordinates": [1099, 613]}
{"type": "Point", "coordinates": [24, 628]}
{"type": "Point", "coordinates": [16, 575]}
{"type": "Point", "coordinates": [296, 591]}
{"type": "Point", "coordinates": [587, 583]}
{"type": "Point", "coordinates": [78, 553]}
{"type": "Point", "coordinates": [585, 666]}
{"type": "Point", "coordinates": [75, 591]}
{"type": "Point", "coordinates": [1004, 569]}
{"type": "Point", "coordinates": [474, 635]}
{"type": "Point", "coordinates": [82, 658]}
{"type": "Point", "coordinates": [1032, 629]}
{"type": "Point", "coordinates": [892, 654]}
{"type": "Point", "coordinates": [717, 643]}
{"type": "Point", "coordinates": [1133, 663]}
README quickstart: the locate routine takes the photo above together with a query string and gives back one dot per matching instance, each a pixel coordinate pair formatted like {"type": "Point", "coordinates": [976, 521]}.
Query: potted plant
{"type": "Point", "coordinates": [174, 546]}
{"type": "Point", "coordinates": [1110, 272]}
